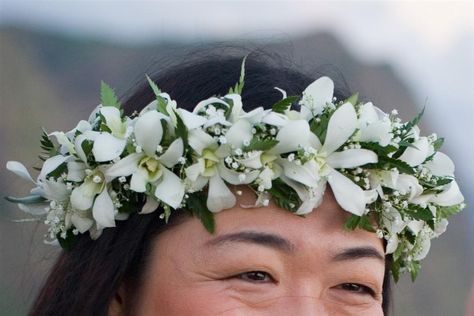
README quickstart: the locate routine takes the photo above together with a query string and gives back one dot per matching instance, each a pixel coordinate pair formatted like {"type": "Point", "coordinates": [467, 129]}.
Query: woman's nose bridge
{"type": "Point", "coordinates": [307, 305]}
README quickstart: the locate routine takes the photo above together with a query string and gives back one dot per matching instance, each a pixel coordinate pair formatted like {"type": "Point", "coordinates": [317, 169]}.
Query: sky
{"type": "Point", "coordinates": [429, 44]}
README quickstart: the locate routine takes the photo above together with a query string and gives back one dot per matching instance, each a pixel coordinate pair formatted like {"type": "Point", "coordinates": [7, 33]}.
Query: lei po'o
{"type": "Point", "coordinates": [391, 179]}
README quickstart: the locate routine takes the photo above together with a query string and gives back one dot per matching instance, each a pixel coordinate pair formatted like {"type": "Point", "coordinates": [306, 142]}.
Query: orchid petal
{"type": "Point", "coordinates": [341, 126]}
{"type": "Point", "coordinates": [81, 223]}
{"type": "Point", "coordinates": [306, 174]}
{"type": "Point", "coordinates": [50, 165]}
{"type": "Point", "coordinates": [65, 142]}
{"type": "Point", "coordinates": [34, 209]}
{"type": "Point", "coordinates": [318, 94]}
{"type": "Point", "coordinates": [234, 177]}
{"type": "Point", "coordinates": [107, 147]}
{"type": "Point", "coordinates": [415, 155]}
{"type": "Point", "coordinates": [150, 205]}
{"type": "Point", "coordinates": [208, 101]}
{"type": "Point", "coordinates": [239, 133]}
{"type": "Point", "coordinates": [55, 191]}
{"type": "Point", "coordinates": [193, 171]}
{"type": "Point", "coordinates": [113, 120]}
{"type": "Point", "coordinates": [255, 116]}
{"type": "Point", "coordinates": [191, 120]}
{"type": "Point", "coordinates": [173, 153]}
{"type": "Point", "coordinates": [450, 196]}
{"type": "Point", "coordinates": [408, 184]}
{"type": "Point", "coordinates": [148, 131]}
{"type": "Point", "coordinates": [392, 244]}
{"type": "Point", "coordinates": [441, 165]}
{"type": "Point", "coordinates": [275, 119]}
{"type": "Point", "coordinates": [76, 171]}
{"type": "Point", "coordinates": [219, 196]}
{"type": "Point", "coordinates": [351, 158]}
{"type": "Point", "coordinates": [88, 135]}
{"type": "Point", "coordinates": [253, 160]}
{"type": "Point", "coordinates": [236, 106]}
{"type": "Point", "coordinates": [199, 140]}
{"type": "Point", "coordinates": [292, 136]}
{"type": "Point", "coordinates": [349, 195]}
{"type": "Point", "coordinates": [170, 190]}
{"type": "Point", "coordinates": [19, 169]}
{"type": "Point", "coordinates": [82, 197]}
{"type": "Point", "coordinates": [124, 167]}
{"type": "Point", "coordinates": [103, 210]}
{"type": "Point", "coordinates": [139, 180]}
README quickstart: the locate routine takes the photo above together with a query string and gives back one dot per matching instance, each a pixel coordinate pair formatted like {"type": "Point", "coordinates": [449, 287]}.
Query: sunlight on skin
{"type": "Point", "coordinates": [302, 270]}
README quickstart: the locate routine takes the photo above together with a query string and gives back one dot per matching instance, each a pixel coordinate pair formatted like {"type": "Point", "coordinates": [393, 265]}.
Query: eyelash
{"type": "Point", "coordinates": [247, 277]}
{"type": "Point", "coordinates": [357, 288]}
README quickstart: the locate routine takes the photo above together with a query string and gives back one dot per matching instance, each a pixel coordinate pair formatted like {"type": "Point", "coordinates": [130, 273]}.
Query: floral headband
{"type": "Point", "coordinates": [393, 181]}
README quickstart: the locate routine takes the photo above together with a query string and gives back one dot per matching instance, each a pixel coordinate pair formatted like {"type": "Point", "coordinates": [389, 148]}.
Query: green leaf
{"type": "Point", "coordinates": [413, 122]}
{"type": "Point", "coordinates": [240, 84]}
{"type": "Point", "coordinates": [261, 144]}
{"type": "Point", "coordinates": [438, 143]}
{"type": "Point", "coordinates": [196, 204]}
{"type": "Point", "coordinates": [353, 99]}
{"type": "Point", "coordinates": [414, 269]}
{"type": "Point", "coordinates": [390, 163]}
{"type": "Point", "coordinates": [447, 211]}
{"type": "Point", "coordinates": [68, 242]}
{"type": "Point", "coordinates": [30, 199]}
{"type": "Point", "coordinates": [284, 196]}
{"type": "Point", "coordinates": [87, 146]}
{"type": "Point", "coordinates": [153, 86]}
{"type": "Point", "coordinates": [107, 96]}
{"type": "Point", "coordinates": [46, 143]}
{"type": "Point", "coordinates": [181, 129]}
{"type": "Point", "coordinates": [284, 104]}
{"type": "Point", "coordinates": [352, 222]}
{"type": "Point", "coordinates": [320, 128]}
{"type": "Point", "coordinates": [419, 213]}
{"type": "Point", "coordinates": [56, 173]}
{"type": "Point", "coordinates": [161, 105]}
{"type": "Point", "coordinates": [378, 149]}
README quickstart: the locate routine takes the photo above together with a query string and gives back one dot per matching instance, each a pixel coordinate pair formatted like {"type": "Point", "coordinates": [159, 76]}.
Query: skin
{"type": "Point", "coordinates": [263, 261]}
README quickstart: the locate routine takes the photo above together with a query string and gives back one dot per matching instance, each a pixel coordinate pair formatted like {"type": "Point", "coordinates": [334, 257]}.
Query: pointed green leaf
{"type": "Point", "coordinates": [181, 129]}
{"type": "Point", "coordinates": [284, 104]}
{"type": "Point", "coordinates": [153, 86]}
{"type": "Point", "coordinates": [196, 204]}
{"type": "Point", "coordinates": [240, 84]}
{"type": "Point", "coordinates": [107, 96]}
{"type": "Point", "coordinates": [261, 144]}
{"type": "Point", "coordinates": [353, 99]}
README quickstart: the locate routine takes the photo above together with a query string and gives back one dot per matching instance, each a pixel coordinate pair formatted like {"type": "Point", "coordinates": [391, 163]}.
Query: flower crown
{"type": "Point", "coordinates": [394, 181]}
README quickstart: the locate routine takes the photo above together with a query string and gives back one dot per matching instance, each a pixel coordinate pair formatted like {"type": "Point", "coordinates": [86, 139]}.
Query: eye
{"type": "Point", "coordinates": [255, 277]}
{"type": "Point", "coordinates": [357, 288]}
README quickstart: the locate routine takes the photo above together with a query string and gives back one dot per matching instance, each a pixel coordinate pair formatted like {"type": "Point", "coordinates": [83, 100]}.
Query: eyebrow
{"type": "Point", "coordinates": [253, 237]}
{"type": "Point", "coordinates": [358, 253]}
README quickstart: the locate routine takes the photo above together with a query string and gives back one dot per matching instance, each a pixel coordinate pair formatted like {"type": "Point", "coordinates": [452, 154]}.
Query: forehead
{"type": "Point", "coordinates": [322, 228]}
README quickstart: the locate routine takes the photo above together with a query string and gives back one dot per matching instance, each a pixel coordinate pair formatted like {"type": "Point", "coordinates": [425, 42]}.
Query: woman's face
{"type": "Point", "coordinates": [265, 261]}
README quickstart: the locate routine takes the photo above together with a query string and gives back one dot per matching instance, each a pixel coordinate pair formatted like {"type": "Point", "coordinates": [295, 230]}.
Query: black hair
{"type": "Point", "coordinates": [86, 278]}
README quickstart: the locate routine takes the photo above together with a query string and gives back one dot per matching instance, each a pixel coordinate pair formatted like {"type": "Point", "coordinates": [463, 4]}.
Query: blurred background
{"type": "Point", "coordinates": [402, 55]}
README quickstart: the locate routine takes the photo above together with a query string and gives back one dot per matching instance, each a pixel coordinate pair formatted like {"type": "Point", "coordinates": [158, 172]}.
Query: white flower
{"type": "Point", "coordinates": [108, 146]}
{"type": "Point", "coordinates": [147, 167]}
{"type": "Point", "coordinates": [418, 152]}
{"type": "Point", "coordinates": [374, 125]}
{"type": "Point", "coordinates": [317, 96]}
{"type": "Point", "coordinates": [313, 173]}
{"type": "Point", "coordinates": [210, 167]}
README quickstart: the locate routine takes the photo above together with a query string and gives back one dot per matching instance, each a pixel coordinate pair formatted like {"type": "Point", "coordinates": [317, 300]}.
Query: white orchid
{"type": "Point", "coordinates": [109, 146]}
{"type": "Point", "coordinates": [317, 96]}
{"type": "Point", "coordinates": [374, 125]}
{"type": "Point", "coordinates": [314, 172]}
{"type": "Point", "coordinates": [146, 167]}
{"type": "Point", "coordinates": [210, 167]}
